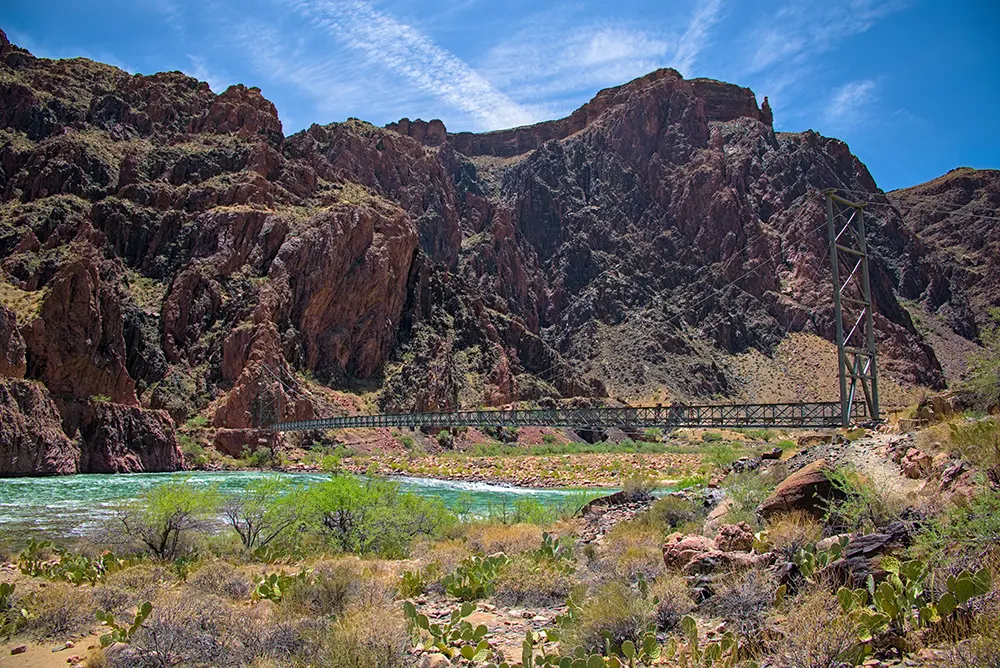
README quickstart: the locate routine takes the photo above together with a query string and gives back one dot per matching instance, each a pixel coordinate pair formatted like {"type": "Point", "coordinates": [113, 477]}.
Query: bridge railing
{"type": "Point", "coordinates": [786, 415]}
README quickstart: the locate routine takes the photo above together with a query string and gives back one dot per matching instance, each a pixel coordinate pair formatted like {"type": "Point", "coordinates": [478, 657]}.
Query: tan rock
{"type": "Point", "coordinates": [734, 538]}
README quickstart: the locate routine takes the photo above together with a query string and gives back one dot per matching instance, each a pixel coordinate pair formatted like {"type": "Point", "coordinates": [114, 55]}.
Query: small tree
{"type": "Point", "coordinates": [161, 516]}
{"type": "Point", "coordinates": [262, 511]}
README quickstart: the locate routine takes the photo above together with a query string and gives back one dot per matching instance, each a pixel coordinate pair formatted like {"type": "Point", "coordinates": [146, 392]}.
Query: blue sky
{"type": "Point", "coordinates": [911, 85]}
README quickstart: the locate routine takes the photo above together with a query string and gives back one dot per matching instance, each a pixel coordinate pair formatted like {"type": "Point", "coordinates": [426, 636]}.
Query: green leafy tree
{"type": "Point", "coordinates": [161, 517]}
{"type": "Point", "coordinates": [262, 511]}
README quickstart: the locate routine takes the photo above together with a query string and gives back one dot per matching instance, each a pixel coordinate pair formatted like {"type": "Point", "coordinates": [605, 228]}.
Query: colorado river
{"type": "Point", "coordinates": [73, 506]}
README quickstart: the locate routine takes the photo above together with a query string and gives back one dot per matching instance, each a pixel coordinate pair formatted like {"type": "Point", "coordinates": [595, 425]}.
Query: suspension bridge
{"type": "Point", "coordinates": [857, 371]}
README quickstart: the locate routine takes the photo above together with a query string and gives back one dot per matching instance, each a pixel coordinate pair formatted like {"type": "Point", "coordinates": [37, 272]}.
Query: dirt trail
{"type": "Point", "coordinates": [42, 655]}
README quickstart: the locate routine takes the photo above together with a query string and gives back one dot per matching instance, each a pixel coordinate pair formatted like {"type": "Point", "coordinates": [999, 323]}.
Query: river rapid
{"type": "Point", "coordinates": [78, 505]}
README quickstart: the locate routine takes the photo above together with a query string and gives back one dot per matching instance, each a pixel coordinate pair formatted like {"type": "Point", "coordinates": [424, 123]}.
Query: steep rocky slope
{"type": "Point", "coordinates": [160, 244]}
{"type": "Point", "coordinates": [958, 217]}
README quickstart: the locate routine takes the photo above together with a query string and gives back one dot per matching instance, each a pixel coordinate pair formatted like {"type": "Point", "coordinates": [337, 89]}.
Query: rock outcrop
{"type": "Point", "coordinates": [127, 439]}
{"type": "Point", "coordinates": [12, 348]}
{"type": "Point", "coordinates": [31, 438]}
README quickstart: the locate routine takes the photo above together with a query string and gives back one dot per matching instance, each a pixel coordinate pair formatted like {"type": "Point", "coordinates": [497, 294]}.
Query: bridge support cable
{"type": "Point", "coordinates": [853, 306]}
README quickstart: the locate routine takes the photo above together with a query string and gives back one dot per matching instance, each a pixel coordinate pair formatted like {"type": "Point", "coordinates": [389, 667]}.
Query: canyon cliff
{"type": "Point", "coordinates": [160, 245]}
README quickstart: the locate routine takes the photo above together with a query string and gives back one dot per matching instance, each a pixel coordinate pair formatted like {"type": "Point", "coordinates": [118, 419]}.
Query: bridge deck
{"type": "Point", "coordinates": [791, 416]}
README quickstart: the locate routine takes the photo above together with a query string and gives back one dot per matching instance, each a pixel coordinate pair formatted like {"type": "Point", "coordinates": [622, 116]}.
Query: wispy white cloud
{"type": "Point", "coordinates": [412, 55]}
{"type": "Point", "coordinates": [805, 29]}
{"type": "Point", "coordinates": [849, 102]}
{"type": "Point", "coordinates": [696, 37]}
{"type": "Point", "coordinates": [547, 60]}
{"type": "Point", "coordinates": [200, 70]}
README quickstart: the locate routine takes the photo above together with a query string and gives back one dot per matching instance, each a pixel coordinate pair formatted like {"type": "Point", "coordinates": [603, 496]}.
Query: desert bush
{"type": "Point", "coordinates": [631, 549]}
{"type": "Point", "coordinates": [746, 492]}
{"type": "Point", "coordinates": [198, 630]}
{"type": "Point", "coordinates": [162, 517]}
{"type": "Point", "coordinates": [744, 601]}
{"type": "Point", "coordinates": [222, 579]}
{"type": "Point", "coordinates": [818, 635]}
{"type": "Point", "coordinates": [863, 506]}
{"type": "Point", "coordinates": [673, 601]}
{"type": "Point", "coordinates": [671, 512]}
{"type": "Point", "coordinates": [525, 582]}
{"type": "Point", "coordinates": [58, 610]}
{"type": "Point", "coordinates": [965, 535]}
{"type": "Point", "coordinates": [366, 637]}
{"type": "Point", "coordinates": [611, 615]}
{"type": "Point", "coordinates": [982, 648]}
{"type": "Point", "coordinates": [326, 592]}
{"type": "Point", "coordinates": [372, 515]}
{"type": "Point", "coordinates": [492, 537]}
{"type": "Point", "coordinates": [978, 441]}
{"type": "Point", "coordinates": [787, 533]}
{"type": "Point", "coordinates": [262, 511]}
{"type": "Point", "coordinates": [982, 383]}
{"type": "Point", "coordinates": [126, 589]}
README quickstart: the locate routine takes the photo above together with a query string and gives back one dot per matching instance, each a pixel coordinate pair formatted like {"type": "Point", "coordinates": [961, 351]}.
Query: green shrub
{"type": "Point", "coordinates": [372, 515]}
{"type": "Point", "coordinates": [978, 442]}
{"type": "Point", "coordinates": [446, 439]}
{"type": "Point", "coordinates": [195, 454]}
{"type": "Point", "coordinates": [721, 455]}
{"type": "Point", "coordinates": [711, 437]}
{"type": "Point", "coordinates": [162, 517]}
{"type": "Point", "coordinates": [671, 512]}
{"type": "Point", "coordinates": [965, 535]}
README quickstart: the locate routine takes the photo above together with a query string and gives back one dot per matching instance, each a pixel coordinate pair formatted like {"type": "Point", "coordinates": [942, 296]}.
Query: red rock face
{"type": "Point", "coordinates": [31, 438]}
{"type": "Point", "coordinates": [12, 363]}
{"type": "Point", "coordinates": [127, 439]}
{"type": "Point", "coordinates": [76, 346]}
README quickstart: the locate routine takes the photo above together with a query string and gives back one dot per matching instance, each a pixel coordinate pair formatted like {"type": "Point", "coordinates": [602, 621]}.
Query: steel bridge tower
{"type": "Point", "coordinates": [853, 305]}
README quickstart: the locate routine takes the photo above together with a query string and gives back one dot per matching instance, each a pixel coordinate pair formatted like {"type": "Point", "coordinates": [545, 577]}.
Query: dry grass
{"type": "Point", "coordinates": [788, 532]}
{"type": "Point", "coordinates": [489, 538]}
{"type": "Point", "coordinates": [366, 637]}
{"type": "Point", "coordinates": [630, 549]}
{"type": "Point", "coordinates": [525, 583]}
{"type": "Point", "coordinates": [25, 305]}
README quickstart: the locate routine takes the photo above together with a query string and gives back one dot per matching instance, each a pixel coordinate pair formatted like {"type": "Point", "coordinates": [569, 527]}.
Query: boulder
{"type": "Point", "coordinates": [680, 549]}
{"type": "Point", "coordinates": [808, 489]}
{"type": "Point", "coordinates": [915, 464]}
{"type": "Point", "coordinates": [734, 538]}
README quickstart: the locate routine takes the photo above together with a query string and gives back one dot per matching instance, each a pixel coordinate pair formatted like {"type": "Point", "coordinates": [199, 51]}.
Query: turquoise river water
{"type": "Point", "coordinates": [73, 506]}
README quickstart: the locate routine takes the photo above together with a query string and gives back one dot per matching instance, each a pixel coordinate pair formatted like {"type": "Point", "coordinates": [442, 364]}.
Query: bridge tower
{"type": "Point", "coordinates": [853, 306]}
{"type": "Point", "coordinates": [268, 402]}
